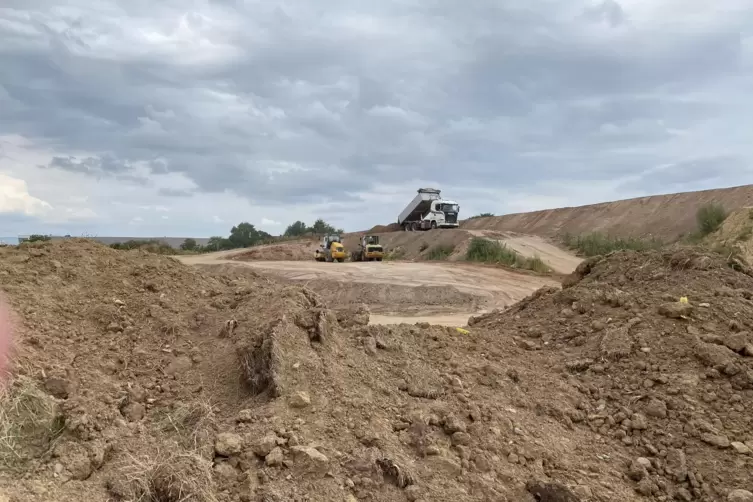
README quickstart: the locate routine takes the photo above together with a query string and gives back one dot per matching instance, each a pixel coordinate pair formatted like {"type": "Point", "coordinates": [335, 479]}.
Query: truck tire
{"type": "Point", "coordinates": [406, 227]}
{"type": "Point", "coordinates": [413, 227]}
{"type": "Point", "coordinates": [433, 225]}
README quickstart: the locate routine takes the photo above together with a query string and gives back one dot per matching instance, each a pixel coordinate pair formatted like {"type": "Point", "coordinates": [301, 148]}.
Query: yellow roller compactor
{"type": "Point", "coordinates": [331, 249]}
{"type": "Point", "coordinates": [368, 249]}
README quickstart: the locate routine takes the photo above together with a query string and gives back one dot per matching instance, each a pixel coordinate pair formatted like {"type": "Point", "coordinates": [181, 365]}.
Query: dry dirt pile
{"type": "Point", "coordinates": [665, 385]}
{"type": "Point", "coordinates": [287, 251]}
{"type": "Point", "coordinates": [139, 378]}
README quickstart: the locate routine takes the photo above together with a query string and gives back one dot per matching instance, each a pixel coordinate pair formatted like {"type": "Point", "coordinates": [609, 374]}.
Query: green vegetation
{"type": "Point", "coordinates": [597, 243]}
{"type": "Point", "coordinates": [151, 245]}
{"type": "Point", "coordinates": [481, 215]}
{"type": "Point", "coordinates": [242, 235]}
{"type": "Point", "coordinates": [440, 252]}
{"type": "Point", "coordinates": [709, 218]}
{"type": "Point", "coordinates": [38, 238]}
{"type": "Point", "coordinates": [320, 227]}
{"type": "Point", "coordinates": [487, 251]}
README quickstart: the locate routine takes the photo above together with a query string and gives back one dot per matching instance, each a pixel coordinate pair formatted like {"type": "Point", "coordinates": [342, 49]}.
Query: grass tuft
{"type": "Point", "coordinates": [597, 243]}
{"type": "Point", "coordinates": [167, 477]}
{"type": "Point", "coordinates": [440, 252]}
{"type": "Point", "coordinates": [30, 422]}
{"type": "Point", "coordinates": [192, 423]}
{"type": "Point", "coordinates": [488, 251]}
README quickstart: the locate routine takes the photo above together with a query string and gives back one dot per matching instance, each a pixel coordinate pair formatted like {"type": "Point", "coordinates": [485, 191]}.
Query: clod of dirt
{"type": "Point", "coordinates": [550, 492]}
{"type": "Point", "coordinates": [740, 496]}
{"type": "Point", "coordinates": [228, 444]}
{"type": "Point", "coordinates": [300, 399]}
{"type": "Point", "coordinates": [310, 459]}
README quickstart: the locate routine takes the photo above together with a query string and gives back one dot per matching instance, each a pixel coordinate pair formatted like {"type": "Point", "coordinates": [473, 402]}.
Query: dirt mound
{"type": "Point", "coordinates": [664, 217]}
{"type": "Point", "coordinates": [379, 229]}
{"type": "Point", "coordinates": [144, 379]}
{"type": "Point", "coordinates": [385, 298]}
{"type": "Point", "coordinates": [298, 250]}
{"type": "Point", "coordinates": [655, 357]}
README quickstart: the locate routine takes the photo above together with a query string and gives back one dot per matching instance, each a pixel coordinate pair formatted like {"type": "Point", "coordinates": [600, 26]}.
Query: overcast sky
{"type": "Point", "coordinates": [180, 117]}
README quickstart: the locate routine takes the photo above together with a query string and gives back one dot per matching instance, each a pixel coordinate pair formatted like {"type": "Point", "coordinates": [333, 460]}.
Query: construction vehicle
{"type": "Point", "coordinates": [331, 249]}
{"type": "Point", "coordinates": [428, 210]}
{"type": "Point", "coordinates": [368, 249]}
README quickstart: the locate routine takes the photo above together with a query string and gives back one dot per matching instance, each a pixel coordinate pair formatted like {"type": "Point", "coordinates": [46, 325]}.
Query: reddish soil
{"type": "Point", "coordinates": [145, 379]}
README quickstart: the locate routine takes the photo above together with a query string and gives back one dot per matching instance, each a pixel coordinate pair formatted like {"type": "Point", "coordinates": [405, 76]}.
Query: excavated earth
{"type": "Point", "coordinates": [138, 378]}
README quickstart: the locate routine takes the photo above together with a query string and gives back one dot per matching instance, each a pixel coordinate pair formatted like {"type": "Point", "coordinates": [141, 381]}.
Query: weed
{"type": "Point", "coordinates": [481, 215]}
{"type": "Point", "coordinates": [596, 243]}
{"type": "Point", "coordinates": [440, 252]}
{"type": "Point", "coordinates": [709, 218]}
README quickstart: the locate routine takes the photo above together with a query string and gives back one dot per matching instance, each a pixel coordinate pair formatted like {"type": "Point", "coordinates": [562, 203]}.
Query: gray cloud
{"type": "Point", "coordinates": [290, 104]}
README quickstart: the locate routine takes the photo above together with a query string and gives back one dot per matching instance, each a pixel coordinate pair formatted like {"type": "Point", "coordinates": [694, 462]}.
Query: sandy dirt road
{"type": "Point", "coordinates": [558, 259]}
{"type": "Point", "coordinates": [496, 287]}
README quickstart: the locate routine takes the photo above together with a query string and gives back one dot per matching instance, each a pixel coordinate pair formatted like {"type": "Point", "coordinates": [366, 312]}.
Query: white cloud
{"type": "Point", "coordinates": [15, 198]}
{"type": "Point", "coordinates": [270, 223]}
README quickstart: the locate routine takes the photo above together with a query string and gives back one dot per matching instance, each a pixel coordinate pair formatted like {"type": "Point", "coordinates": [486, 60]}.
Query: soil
{"type": "Point", "coordinates": [293, 251]}
{"type": "Point", "coordinates": [531, 246]}
{"type": "Point", "coordinates": [143, 378]}
{"type": "Point", "coordinates": [664, 217]}
{"type": "Point", "coordinates": [398, 289]}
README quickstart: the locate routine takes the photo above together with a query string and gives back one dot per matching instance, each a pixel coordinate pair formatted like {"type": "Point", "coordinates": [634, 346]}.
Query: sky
{"type": "Point", "coordinates": [184, 118]}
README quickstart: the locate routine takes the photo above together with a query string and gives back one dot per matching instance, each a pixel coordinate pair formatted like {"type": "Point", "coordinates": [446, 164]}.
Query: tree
{"type": "Point", "coordinates": [296, 229]}
{"type": "Point", "coordinates": [189, 245]}
{"type": "Point", "coordinates": [244, 235]}
{"type": "Point", "coordinates": [217, 243]}
{"type": "Point", "coordinates": [321, 227]}
{"type": "Point", "coordinates": [39, 238]}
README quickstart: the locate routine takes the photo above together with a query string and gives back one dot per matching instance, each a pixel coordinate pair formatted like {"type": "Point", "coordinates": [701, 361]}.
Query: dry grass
{"type": "Point", "coordinates": [192, 422]}
{"type": "Point", "coordinates": [30, 421]}
{"type": "Point", "coordinates": [166, 477]}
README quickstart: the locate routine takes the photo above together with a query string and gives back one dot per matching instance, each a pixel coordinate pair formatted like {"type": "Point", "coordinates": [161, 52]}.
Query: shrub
{"type": "Point", "coordinates": [709, 218]}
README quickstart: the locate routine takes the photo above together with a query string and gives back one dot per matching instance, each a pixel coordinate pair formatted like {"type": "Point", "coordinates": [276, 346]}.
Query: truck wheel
{"type": "Point", "coordinates": [433, 225]}
{"type": "Point", "coordinates": [413, 227]}
{"type": "Point", "coordinates": [406, 227]}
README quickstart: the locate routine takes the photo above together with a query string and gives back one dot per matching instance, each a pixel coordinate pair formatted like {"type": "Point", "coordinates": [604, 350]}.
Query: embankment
{"type": "Point", "coordinates": [666, 217]}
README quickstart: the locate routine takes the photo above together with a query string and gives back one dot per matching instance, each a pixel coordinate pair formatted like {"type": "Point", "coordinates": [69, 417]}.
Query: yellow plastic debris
{"type": "Point", "coordinates": [683, 299]}
{"type": "Point", "coordinates": [463, 331]}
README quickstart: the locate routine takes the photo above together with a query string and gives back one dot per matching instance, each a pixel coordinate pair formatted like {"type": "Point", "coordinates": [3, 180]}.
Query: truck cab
{"type": "Point", "coordinates": [428, 210]}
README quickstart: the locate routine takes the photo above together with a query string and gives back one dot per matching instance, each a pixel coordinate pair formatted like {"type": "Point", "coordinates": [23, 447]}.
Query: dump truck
{"type": "Point", "coordinates": [428, 210]}
{"type": "Point", "coordinates": [368, 249]}
{"type": "Point", "coordinates": [331, 249]}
